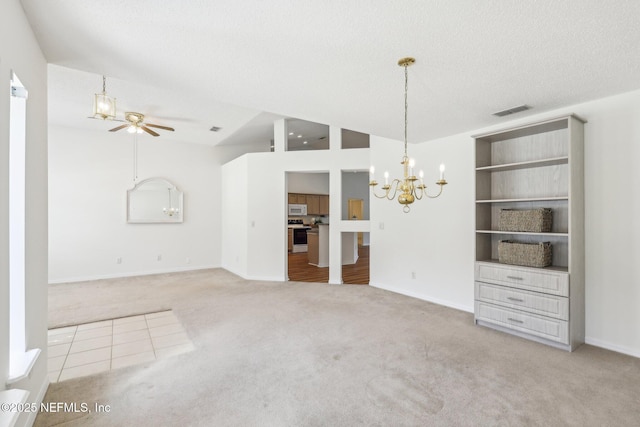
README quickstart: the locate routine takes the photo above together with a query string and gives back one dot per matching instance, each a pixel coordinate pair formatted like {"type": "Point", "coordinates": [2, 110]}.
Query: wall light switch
{"type": "Point", "coordinates": [118, 260]}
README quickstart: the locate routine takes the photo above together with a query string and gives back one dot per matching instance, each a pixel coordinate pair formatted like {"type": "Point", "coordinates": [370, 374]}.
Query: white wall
{"type": "Point", "coordinates": [355, 186]}
{"type": "Point", "coordinates": [436, 240]}
{"type": "Point", "coordinates": [19, 52]}
{"type": "Point", "coordinates": [235, 210]}
{"type": "Point", "coordinates": [309, 183]}
{"type": "Point", "coordinates": [267, 185]}
{"type": "Point", "coordinates": [89, 175]}
{"type": "Point", "coordinates": [437, 236]}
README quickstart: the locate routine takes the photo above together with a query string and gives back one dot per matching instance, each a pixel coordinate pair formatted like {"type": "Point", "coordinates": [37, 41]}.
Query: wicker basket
{"type": "Point", "coordinates": [531, 220]}
{"type": "Point", "coordinates": [525, 254]}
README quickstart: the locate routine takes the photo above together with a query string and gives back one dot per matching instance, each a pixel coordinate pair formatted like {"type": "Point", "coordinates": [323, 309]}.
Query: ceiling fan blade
{"type": "Point", "coordinates": [159, 127]}
{"type": "Point", "coordinates": [119, 127]}
{"type": "Point", "coordinates": [149, 131]}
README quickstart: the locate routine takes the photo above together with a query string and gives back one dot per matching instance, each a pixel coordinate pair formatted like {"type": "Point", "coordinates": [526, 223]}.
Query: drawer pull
{"type": "Point", "coordinates": [514, 278]}
{"type": "Point", "coordinates": [515, 299]}
{"type": "Point", "coordinates": [514, 320]}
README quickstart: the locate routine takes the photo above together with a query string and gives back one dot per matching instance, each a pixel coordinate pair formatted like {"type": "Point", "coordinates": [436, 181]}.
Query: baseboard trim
{"type": "Point", "coordinates": [422, 297]}
{"type": "Point", "coordinates": [613, 347]}
{"type": "Point", "coordinates": [39, 398]}
{"type": "Point", "coordinates": [132, 274]}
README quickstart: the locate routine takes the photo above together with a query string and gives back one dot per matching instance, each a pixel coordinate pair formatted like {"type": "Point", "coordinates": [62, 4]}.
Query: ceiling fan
{"type": "Point", "coordinates": [136, 125]}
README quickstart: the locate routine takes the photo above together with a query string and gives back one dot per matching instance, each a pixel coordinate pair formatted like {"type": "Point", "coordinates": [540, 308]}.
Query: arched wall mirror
{"type": "Point", "coordinates": [154, 200]}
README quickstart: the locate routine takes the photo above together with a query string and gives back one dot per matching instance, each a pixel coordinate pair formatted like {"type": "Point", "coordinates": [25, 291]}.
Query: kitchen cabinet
{"type": "Point", "coordinates": [313, 204]}
{"type": "Point", "coordinates": [324, 205]}
{"type": "Point", "coordinates": [317, 204]}
{"type": "Point", "coordinates": [312, 247]}
{"type": "Point", "coordinates": [290, 240]}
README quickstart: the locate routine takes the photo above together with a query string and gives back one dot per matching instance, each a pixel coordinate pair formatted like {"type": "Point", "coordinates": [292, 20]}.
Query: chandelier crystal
{"type": "Point", "coordinates": [408, 188]}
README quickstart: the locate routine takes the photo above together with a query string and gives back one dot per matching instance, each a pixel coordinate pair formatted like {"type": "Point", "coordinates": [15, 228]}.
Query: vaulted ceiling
{"type": "Point", "coordinates": [238, 64]}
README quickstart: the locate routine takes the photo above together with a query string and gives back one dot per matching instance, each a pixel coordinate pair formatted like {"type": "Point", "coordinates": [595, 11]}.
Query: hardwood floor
{"type": "Point", "coordinates": [358, 273]}
{"type": "Point", "coordinates": [355, 274]}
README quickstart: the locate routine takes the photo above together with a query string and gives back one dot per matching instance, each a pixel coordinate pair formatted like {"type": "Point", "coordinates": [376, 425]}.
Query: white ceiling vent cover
{"type": "Point", "coordinates": [512, 110]}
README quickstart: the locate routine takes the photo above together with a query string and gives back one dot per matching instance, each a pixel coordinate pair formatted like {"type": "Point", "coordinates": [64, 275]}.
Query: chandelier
{"type": "Point", "coordinates": [408, 187]}
{"type": "Point", "coordinates": [170, 211]}
{"type": "Point", "coordinates": [104, 107]}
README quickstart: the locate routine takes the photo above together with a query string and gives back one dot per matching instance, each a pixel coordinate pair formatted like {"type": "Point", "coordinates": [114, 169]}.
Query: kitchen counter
{"type": "Point", "coordinates": [318, 246]}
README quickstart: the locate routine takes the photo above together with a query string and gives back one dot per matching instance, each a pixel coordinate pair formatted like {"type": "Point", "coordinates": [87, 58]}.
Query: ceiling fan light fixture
{"type": "Point", "coordinates": [104, 106]}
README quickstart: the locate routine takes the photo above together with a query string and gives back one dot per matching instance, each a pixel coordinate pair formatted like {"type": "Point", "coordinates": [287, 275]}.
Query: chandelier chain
{"type": "Point", "coordinates": [104, 84]}
{"type": "Point", "coordinates": [406, 106]}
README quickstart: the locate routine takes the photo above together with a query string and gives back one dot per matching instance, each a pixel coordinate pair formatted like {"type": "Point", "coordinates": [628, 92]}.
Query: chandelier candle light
{"type": "Point", "coordinates": [409, 189]}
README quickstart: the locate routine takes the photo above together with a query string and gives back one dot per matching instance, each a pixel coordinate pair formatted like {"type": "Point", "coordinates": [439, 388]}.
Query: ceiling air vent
{"type": "Point", "coordinates": [512, 110]}
{"type": "Point", "coordinates": [215, 128]}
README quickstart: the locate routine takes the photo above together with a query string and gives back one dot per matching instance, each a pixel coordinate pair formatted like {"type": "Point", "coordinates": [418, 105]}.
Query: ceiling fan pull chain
{"type": "Point", "coordinates": [135, 157]}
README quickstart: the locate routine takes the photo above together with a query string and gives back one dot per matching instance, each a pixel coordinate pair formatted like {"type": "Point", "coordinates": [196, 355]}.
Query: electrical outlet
{"type": "Point", "coordinates": [413, 274]}
{"type": "Point", "coordinates": [118, 260]}
{"type": "Point", "coordinates": [159, 257]}
{"type": "Point", "coordinates": [188, 260]}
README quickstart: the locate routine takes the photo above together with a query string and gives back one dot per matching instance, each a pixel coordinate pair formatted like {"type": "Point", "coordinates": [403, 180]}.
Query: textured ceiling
{"type": "Point", "coordinates": [335, 61]}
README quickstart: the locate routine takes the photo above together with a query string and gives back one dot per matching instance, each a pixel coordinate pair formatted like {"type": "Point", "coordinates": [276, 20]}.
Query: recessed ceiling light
{"type": "Point", "coordinates": [304, 142]}
{"type": "Point", "coordinates": [299, 136]}
{"type": "Point", "coordinates": [290, 133]}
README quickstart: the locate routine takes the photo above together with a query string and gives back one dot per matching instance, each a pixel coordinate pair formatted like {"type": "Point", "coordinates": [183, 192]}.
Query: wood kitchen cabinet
{"type": "Point", "coordinates": [317, 204]}
{"type": "Point", "coordinates": [313, 204]}
{"type": "Point", "coordinates": [312, 247]}
{"type": "Point", "coordinates": [324, 205]}
{"type": "Point", "coordinates": [300, 199]}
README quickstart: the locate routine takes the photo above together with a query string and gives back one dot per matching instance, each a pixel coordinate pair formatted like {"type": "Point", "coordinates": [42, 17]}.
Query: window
{"type": "Point", "coordinates": [21, 361]}
{"type": "Point", "coordinates": [303, 135]}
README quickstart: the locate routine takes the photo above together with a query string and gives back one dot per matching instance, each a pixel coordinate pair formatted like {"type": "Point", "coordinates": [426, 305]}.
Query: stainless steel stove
{"type": "Point", "coordinates": [299, 235]}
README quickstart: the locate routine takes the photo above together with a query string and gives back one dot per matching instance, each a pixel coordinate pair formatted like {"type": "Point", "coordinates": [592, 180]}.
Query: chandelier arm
{"type": "Point", "coordinates": [395, 185]}
{"type": "Point", "coordinates": [437, 195]}
{"type": "Point", "coordinates": [386, 188]}
{"type": "Point", "coordinates": [422, 192]}
{"type": "Point", "coordinates": [379, 196]}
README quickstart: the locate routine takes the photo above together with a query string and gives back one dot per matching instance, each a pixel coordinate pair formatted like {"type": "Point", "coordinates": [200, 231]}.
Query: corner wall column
{"type": "Point", "coordinates": [280, 135]}
{"type": "Point", "coordinates": [335, 210]}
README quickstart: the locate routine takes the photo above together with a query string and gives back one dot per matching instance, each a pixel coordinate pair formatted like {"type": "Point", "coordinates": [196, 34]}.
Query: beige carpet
{"type": "Point", "coordinates": [302, 354]}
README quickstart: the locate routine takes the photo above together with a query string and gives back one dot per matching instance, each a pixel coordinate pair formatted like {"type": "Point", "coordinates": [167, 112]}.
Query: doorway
{"type": "Point", "coordinates": [356, 209]}
{"type": "Point", "coordinates": [355, 258]}
{"type": "Point", "coordinates": [308, 226]}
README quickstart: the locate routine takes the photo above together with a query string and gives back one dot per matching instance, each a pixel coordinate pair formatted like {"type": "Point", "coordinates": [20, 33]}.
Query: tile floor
{"type": "Point", "coordinates": [91, 348]}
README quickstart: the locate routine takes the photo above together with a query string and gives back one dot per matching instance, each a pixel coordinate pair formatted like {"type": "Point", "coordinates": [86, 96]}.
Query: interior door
{"type": "Point", "coordinates": [355, 210]}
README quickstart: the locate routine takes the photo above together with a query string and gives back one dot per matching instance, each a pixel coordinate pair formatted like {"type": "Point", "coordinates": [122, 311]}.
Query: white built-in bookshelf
{"type": "Point", "coordinates": [539, 165]}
